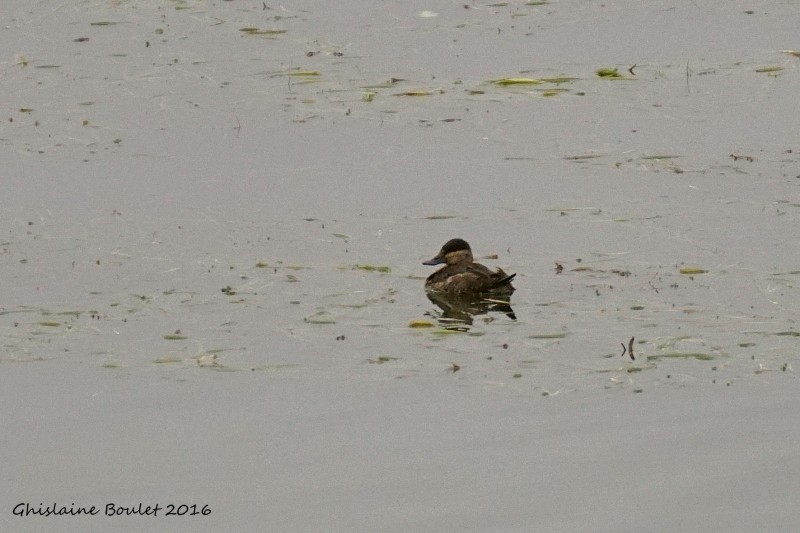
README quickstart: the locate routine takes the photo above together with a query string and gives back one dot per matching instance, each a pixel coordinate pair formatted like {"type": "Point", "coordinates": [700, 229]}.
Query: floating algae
{"type": "Point", "coordinates": [373, 268]}
{"type": "Point", "coordinates": [503, 82]}
{"type": "Point", "coordinates": [260, 32]}
{"type": "Point", "coordinates": [769, 69]}
{"type": "Point", "coordinates": [691, 271]}
{"type": "Point", "coordinates": [700, 356]}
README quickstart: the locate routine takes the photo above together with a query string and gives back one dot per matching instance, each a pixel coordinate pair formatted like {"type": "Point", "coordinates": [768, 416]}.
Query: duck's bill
{"type": "Point", "coordinates": [434, 261]}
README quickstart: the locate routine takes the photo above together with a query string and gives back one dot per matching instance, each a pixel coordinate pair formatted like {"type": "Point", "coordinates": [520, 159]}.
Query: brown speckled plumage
{"type": "Point", "coordinates": [461, 275]}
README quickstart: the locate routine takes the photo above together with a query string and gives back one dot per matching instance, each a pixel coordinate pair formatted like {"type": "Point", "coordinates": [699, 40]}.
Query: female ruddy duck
{"type": "Point", "coordinates": [462, 275]}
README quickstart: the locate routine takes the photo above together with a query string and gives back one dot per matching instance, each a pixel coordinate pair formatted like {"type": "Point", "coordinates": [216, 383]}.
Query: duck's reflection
{"type": "Point", "coordinates": [458, 310]}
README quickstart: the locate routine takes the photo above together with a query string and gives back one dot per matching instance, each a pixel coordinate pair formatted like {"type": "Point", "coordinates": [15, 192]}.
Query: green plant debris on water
{"type": "Point", "coordinates": [516, 81]}
{"type": "Point", "coordinates": [303, 73]}
{"type": "Point", "coordinates": [440, 217]}
{"type": "Point", "coordinates": [691, 270]}
{"type": "Point", "coordinates": [103, 23]}
{"type": "Point", "coordinates": [76, 314]}
{"type": "Point", "coordinates": [382, 359]}
{"type": "Point", "coordinates": [769, 69]}
{"type": "Point", "coordinates": [320, 317]}
{"type": "Point", "coordinates": [342, 236]}
{"type": "Point", "coordinates": [291, 278]}
{"type": "Point", "coordinates": [418, 323]}
{"type": "Point", "coordinates": [559, 79]}
{"type": "Point", "coordinates": [259, 31]}
{"type": "Point", "coordinates": [608, 72]}
{"type": "Point", "coordinates": [537, 3]}
{"type": "Point", "coordinates": [373, 268]}
{"type": "Point", "coordinates": [554, 335]}
{"type": "Point", "coordinates": [50, 324]}
{"type": "Point", "coordinates": [788, 334]}
{"type": "Point", "coordinates": [581, 157]}
{"type": "Point", "coordinates": [174, 337]}
{"type": "Point", "coordinates": [415, 92]}
{"type": "Point", "coordinates": [658, 157]}
{"type": "Point", "coordinates": [262, 264]}
{"type": "Point", "coordinates": [111, 365]}
{"type": "Point", "coordinates": [167, 360]}
{"type": "Point", "coordinates": [700, 356]}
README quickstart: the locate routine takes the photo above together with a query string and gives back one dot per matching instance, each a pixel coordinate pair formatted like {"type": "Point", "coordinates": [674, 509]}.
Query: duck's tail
{"type": "Point", "coordinates": [505, 281]}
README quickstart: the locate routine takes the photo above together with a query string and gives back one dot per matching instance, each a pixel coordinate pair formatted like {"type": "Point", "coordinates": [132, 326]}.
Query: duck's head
{"type": "Point", "coordinates": [454, 251]}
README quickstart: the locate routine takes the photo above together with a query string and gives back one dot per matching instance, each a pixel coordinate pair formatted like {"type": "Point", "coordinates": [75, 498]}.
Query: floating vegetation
{"type": "Point", "coordinates": [581, 157]}
{"type": "Point", "coordinates": [503, 82]}
{"type": "Point", "coordinates": [174, 337]}
{"type": "Point", "coordinates": [368, 96]}
{"type": "Point", "coordinates": [769, 69]}
{"type": "Point", "coordinates": [262, 264]}
{"type": "Point", "coordinates": [344, 236]}
{"type": "Point", "coordinates": [303, 73]}
{"type": "Point", "coordinates": [691, 270]}
{"type": "Point", "coordinates": [103, 23]}
{"type": "Point", "coordinates": [554, 335]}
{"type": "Point", "coordinates": [788, 334]}
{"type": "Point", "coordinates": [418, 92]}
{"type": "Point", "coordinates": [167, 360]}
{"type": "Point", "coordinates": [25, 110]}
{"type": "Point", "coordinates": [320, 317]}
{"type": "Point", "coordinates": [440, 217]}
{"type": "Point", "coordinates": [228, 290]}
{"type": "Point", "coordinates": [700, 356]}
{"type": "Point", "coordinates": [418, 323]}
{"type": "Point", "coordinates": [50, 324]}
{"type": "Point", "coordinates": [382, 359]}
{"type": "Point", "coordinates": [659, 157]}
{"type": "Point", "coordinates": [612, 73]}
{"type": "Point", "coordinates": [537, 3]}
{"type": "Point", "coordinates": [260, 32]}
{"type": "Point", "coordinates": [385, 85]}
{"type": "Point", "coordinates": [373, 268]}
{"type": "Point", "coordinates": [558, 79]}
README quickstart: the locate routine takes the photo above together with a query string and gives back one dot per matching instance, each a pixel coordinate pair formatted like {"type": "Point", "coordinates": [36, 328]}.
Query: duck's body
{"type": "Point", "coordinates": [462, 275]}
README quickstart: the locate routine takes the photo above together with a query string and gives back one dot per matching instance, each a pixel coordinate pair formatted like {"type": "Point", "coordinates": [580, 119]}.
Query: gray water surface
{"type": "Point", "coordinates": [213, 247]}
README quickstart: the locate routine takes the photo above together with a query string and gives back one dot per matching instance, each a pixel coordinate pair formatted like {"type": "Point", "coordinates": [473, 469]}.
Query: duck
{"type": "Point", "coordinates": [461, 275]}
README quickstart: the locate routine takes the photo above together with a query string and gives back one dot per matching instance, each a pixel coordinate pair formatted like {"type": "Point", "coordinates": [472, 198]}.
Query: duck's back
{"type": "Point", "coordinates": [470, 278]}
